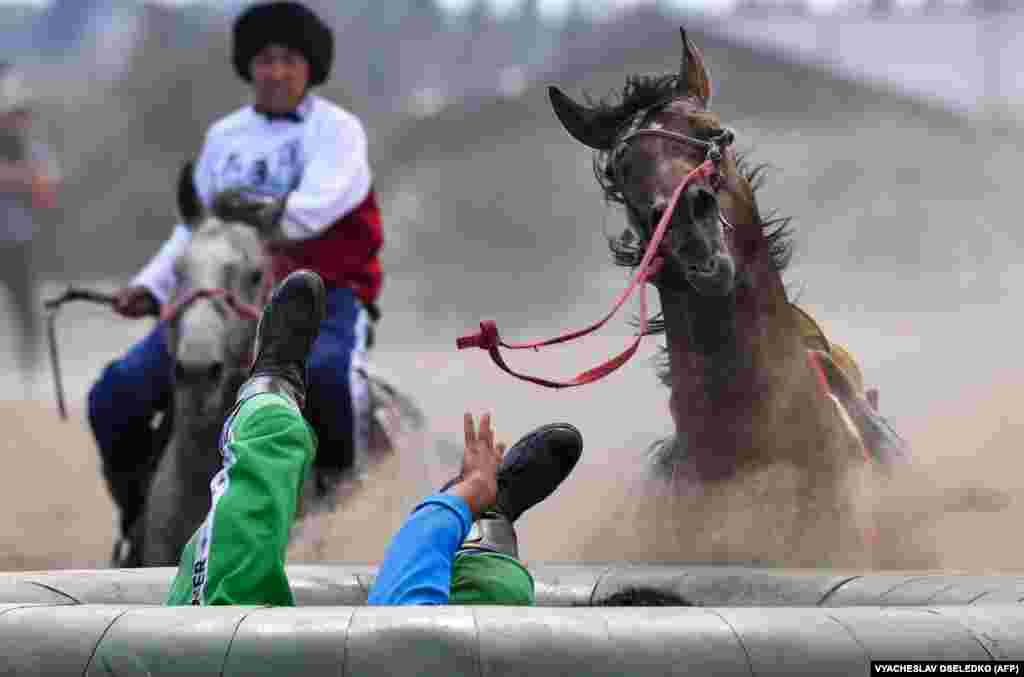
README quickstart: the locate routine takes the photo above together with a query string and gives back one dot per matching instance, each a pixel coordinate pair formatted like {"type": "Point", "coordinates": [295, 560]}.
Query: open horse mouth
{"type": "Point", "coordinates": [713, 276]}
{"type": "Point", "coordinates": [695, 245]}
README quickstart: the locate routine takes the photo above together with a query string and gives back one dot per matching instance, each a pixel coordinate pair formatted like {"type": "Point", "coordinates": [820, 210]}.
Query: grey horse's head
{"type": "Point", "coordinates": [209, 340]}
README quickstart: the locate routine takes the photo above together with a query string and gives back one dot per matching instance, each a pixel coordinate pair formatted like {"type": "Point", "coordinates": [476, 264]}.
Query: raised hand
{"type": "Point", "coordinates": [480, 461]}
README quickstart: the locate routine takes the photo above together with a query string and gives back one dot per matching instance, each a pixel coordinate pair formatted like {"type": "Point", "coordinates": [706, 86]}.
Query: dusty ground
{"type": "Point", "coordinates": [57, 513]}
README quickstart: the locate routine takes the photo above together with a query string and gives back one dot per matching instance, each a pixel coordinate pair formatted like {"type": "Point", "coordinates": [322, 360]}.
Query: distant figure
{"type": "Point", "coordinates": [28, 182]}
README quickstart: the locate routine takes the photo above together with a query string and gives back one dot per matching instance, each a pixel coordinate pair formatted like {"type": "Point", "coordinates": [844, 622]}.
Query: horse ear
{"type": "Point", "coordinates": [590, 127]}
{"type": "Point", "coordinates": [190, 207]}
{"type": "Point", "coordinates": [693, 73]}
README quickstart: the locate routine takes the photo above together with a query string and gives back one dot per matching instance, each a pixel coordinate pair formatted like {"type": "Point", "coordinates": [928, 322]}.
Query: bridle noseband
{"type": "Point", "coordinates": [243, 310]}
{"type": "Point", "coordinates": [714, 151]}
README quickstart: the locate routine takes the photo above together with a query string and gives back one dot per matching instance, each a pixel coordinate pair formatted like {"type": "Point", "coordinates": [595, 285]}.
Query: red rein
{"type": "Point", "coordinates": [488, 338]}
{"type": "Point", "coordinates": [246, 311]}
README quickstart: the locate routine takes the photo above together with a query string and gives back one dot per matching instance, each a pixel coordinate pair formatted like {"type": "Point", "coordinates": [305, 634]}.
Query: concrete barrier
{"type": "Point", "coordinates": [562, 585]}
{"type": "Point", "coordinates": [746, 621]}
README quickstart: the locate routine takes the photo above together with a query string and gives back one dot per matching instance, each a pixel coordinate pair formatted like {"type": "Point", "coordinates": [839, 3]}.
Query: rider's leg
{"type": "Point", "coordinates": [487, 569]}
{"type": "Point", "coordinates": [237, 555]}
{"type": "Point", "coordinates": [121, 408]}
{"type": "Point", "coordinates": [880, 439]}
{"type": "Point", "coordinates": [338, 391]}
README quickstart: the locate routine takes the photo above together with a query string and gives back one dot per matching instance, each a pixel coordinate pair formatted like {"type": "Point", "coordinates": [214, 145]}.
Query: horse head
{"type": "Point", "coordinates": [223, 277]}
{"type": "Point", "coordinates": [716, 247]}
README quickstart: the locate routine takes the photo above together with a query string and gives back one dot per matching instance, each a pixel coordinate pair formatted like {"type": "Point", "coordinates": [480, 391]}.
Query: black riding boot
{"type": "Point", "coordinates": [287, 329]}
{"type": "Point", "coordinates": [530, 472]}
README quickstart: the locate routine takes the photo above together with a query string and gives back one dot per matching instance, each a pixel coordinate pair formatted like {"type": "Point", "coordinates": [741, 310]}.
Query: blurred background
{"type": "Point", "coordinates": [893, 130]}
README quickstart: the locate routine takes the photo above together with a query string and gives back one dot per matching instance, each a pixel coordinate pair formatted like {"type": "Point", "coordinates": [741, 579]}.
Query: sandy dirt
{"type": "Point", "coordinates": [58, 515]}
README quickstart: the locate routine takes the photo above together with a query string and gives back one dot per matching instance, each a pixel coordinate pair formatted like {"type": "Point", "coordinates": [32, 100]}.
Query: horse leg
{"type": "Point", "coordinates": [175, 506]}
{"type": "Point", "coordinates": [830, 529]}
{"type": "Point", "coordinates": [122, 404]}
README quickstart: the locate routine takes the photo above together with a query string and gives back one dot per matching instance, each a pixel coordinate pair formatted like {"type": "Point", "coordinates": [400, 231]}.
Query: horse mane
{"type": "Point", "coordinates": [641, 95]}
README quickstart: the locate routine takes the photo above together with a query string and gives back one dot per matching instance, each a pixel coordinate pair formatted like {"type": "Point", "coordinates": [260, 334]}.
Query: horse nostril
{"type": "Point", "coordinates": [198, 373]}
{"type": "Point", "coordinates": [215, 370]}
{"type": "Point", "coordinates": [706, 268]}
{"type": "Point", "coordinates": [702, 205]}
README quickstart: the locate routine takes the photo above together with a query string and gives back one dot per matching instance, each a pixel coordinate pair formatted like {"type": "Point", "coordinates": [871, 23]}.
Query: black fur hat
{"type": "Point", "coordinates": [285, 23]}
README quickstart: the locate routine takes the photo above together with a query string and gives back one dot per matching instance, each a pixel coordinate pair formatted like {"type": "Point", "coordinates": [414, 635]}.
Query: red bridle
{"type": "Point", "coordinates": [246, 311]}
{"type": "Point", "coordinates": [708, 171]}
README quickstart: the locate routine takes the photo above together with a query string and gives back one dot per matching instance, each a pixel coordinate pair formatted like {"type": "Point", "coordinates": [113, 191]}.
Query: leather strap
{"type": "Point", "coordinates": [489, 339]}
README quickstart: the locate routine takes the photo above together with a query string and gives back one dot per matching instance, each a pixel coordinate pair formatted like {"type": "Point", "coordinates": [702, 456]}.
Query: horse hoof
{"type": "Point", "coordinates": [122, 554]}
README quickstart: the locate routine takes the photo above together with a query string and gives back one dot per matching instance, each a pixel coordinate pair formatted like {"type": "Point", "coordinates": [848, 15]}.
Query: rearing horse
{"type": "Point", "coordinates": [746, 393]}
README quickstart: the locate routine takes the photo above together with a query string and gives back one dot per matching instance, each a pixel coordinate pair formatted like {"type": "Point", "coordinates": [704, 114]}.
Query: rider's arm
{"type": "Point", "coordinates": [158, 275]}
{"type": "Point", "coordinates": [417, 567]}
{"type": "Point", "coordinates": [335, 181]}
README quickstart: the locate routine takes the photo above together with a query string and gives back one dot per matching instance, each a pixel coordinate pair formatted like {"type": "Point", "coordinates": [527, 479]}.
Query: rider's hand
{"type": "Point", "coordinates": [135, 301]}
{"type": "Point", "coordinates": [480, 461]}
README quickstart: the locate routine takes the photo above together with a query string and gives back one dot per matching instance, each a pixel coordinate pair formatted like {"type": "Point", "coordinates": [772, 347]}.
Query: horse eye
{"type": "Point", "coordinates": [255, 277]}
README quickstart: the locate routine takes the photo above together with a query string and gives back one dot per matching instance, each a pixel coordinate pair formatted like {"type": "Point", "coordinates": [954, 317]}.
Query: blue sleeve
{"type": "Point", "coordinates": [417, 567]}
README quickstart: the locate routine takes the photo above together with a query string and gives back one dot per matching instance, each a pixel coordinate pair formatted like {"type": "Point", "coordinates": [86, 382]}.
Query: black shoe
{"type": "Point", "coordinates": [534, 467]}
{"type": "Point", "coordinates": [287, 329]}
{"type": "Point", "coordinates": [530, 472]}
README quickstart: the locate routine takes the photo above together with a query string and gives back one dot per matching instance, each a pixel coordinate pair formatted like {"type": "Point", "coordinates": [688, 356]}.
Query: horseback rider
{"type": "Point", "coordinates": [294, 165]}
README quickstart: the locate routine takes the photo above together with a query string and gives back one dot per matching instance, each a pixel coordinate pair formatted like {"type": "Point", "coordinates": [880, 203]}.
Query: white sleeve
{"type": "Point", "coordinates": [158, 275]}
{"type": "Point", "coordinates": [335, 180]}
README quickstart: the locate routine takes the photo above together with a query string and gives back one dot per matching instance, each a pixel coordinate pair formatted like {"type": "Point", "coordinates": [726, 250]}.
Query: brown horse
{"type": "Point", "coordinates": [747, 396]}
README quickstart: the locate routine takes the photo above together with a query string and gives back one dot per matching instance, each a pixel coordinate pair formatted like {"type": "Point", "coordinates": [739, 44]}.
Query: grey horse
{"type": "Point", "coordinates": [210, 341]}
